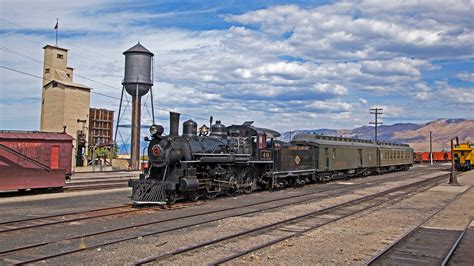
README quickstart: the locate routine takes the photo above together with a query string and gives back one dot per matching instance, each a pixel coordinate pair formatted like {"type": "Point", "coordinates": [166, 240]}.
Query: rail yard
{"type": "Point", "coordinates": [237, 133]}
{"type": "Point", "coordinates": [373, 219]}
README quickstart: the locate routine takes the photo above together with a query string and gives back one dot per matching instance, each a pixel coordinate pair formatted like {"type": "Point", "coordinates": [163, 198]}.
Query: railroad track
{"type": "Point", "coordinates": [289, 228]}
{"type": "Point", "coordinates": [49, 220]}
{"type": "Point", "coordinates": [15, 225]}
{"type": "Point", "coordinates": [283, 202]}
{"type": "Point", "coordinates": [427, 246]}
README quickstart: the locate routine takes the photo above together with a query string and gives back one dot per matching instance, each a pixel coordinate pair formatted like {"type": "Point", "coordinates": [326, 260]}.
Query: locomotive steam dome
{"type": "Point", "coordinates": [138, 68]}
{"type": "Point", "coordinates": [189, 128]}
{"type": "Point", "coordinates": [218, 129]}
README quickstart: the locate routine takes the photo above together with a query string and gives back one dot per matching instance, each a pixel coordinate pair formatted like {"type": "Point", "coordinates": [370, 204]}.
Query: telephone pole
{"type": "Point", "coordinates": [431, 148]}
{"type": "Point", "coordinates": [376, 112]}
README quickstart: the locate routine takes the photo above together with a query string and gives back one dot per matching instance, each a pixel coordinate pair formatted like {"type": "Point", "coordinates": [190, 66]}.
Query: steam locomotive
{"type": "Point", "coordinates": [243, 158]}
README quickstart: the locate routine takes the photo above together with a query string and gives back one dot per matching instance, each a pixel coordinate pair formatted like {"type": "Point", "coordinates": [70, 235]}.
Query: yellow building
{"type": "Point", "coordinates": [64, 103]}
{"type": "Point", "coordinates": [463, 154]}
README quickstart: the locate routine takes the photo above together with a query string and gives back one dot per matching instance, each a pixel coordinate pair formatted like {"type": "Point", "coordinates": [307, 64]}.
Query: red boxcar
{"type": "Point", "coordinates": [31, 160]}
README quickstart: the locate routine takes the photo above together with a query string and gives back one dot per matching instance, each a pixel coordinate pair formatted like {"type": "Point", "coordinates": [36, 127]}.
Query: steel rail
{"type": "Point", "coordinates": [60, 215]}
{"type": "Point", "coordinates": [75, 219]}
{"type": "Point", "coordinates": [456, 243]}
{"type": "Point", "coordinates": [289, 221]}
{"type": "Point", "coordinates": [343, 189]}
{"type": "Point", "coordinates": [411, 232]}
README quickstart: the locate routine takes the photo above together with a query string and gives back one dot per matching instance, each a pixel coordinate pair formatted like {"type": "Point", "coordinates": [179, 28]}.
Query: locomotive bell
{"type": "Point", "coordinates": [138, 68]}
{"type": "Point", "coordinates": [218, 130]}
{"type": "Point", "coordinates": [189, 129]}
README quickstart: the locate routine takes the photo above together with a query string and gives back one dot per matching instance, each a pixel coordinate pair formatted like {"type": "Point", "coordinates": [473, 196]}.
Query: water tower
{"type": "Point", "coordinates": [137, 82]}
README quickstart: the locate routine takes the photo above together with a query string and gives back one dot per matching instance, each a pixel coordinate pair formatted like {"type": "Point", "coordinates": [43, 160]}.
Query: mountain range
{"type": "Point", "coordinates": [417, 135]}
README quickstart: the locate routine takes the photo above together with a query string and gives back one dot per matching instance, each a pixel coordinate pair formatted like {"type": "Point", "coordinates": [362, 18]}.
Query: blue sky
{"type": "Point", "coordinates": [284, 64]}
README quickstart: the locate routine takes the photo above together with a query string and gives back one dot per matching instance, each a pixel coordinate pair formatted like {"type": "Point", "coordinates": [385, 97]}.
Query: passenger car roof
{"type": "Point", "coordinates": [341, 141]}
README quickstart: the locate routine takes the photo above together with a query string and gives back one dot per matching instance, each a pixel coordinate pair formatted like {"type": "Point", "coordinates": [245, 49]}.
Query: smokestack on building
{"type": "Point", "coordinates": [137, 82]}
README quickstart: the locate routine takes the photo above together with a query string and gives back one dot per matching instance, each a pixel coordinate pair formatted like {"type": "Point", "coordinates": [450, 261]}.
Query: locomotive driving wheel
{"type": "Point", "coordinates": [248, 176]}
{"type": "Point", "coordinates": [171, 199]}
{"type": "Point", "coordinates": [210, 195]}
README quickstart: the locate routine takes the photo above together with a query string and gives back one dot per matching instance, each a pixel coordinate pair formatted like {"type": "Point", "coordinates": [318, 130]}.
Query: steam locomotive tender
{"type": "Point", "coordinates": [243, 158]}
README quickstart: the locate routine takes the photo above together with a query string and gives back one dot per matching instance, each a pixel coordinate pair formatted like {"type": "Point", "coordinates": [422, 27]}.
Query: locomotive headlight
{"type": "Point", "coordinates": [156, 130]}
{"type": "Point", "coordinates": [153, 129]}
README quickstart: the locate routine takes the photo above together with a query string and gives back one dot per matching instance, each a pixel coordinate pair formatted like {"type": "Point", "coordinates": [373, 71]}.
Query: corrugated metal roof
{"type": "Point", "coordinates": [33, 135]}
{"type": "Point", "coordinates": [138, 48]}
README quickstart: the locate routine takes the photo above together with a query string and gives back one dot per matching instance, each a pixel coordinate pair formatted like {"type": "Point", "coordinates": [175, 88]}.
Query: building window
{"type": "Point", "coordinates": [60, 56]}
{"type": "Point", "coordinates": [68, 75]}
{"type": "Point", "coordinates": [55, 84]}
{"type": "Point", "coordinates": [46, 71]}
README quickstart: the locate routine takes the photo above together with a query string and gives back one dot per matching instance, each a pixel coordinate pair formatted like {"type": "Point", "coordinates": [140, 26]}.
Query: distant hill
{"type": "Point", "coordinates": [417, 135]}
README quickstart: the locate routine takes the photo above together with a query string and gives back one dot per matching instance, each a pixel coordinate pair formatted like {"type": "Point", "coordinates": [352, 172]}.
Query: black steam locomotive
{"type": "Point", "coordinates": [243, 158]}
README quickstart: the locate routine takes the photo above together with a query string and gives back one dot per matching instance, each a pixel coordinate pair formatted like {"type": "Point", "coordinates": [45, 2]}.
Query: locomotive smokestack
{"type": "Point", "coordinates": [174, 124]}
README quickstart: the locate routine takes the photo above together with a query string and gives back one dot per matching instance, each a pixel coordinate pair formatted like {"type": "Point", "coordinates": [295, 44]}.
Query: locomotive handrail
{"type": "Point", "coordinates": [221, 154]}
{"type": "Point", "coordinates": [24, 157]}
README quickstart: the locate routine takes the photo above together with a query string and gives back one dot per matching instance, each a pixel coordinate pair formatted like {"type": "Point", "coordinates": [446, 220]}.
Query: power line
{"type": "Point", "coordinates": [97, 93]}
{"type": "Point", "coordinates": [376, 112]}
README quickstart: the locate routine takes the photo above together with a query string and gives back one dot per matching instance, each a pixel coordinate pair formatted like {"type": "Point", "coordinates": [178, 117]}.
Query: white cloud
{"type": "Point", "coordinates": [283, 66]}
{"type": "Point", "coordinates": [330, 106]}
{"type": "Point", "coordinates": [466, 76]}
{"type": "Point", "coordinates": [330, 88]}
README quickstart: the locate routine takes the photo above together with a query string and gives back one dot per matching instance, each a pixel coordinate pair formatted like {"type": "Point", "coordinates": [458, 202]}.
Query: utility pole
{"type": "Point", "coordinates": [376, 111]}
{"type": "Point", "coordinates": [431, 148]}
{"type": "Point", "coordinates": [453, 180]}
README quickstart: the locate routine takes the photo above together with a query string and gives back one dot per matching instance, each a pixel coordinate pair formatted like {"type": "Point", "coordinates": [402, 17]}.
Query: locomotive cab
{"type": "Point", "coordinates": [262, 140]}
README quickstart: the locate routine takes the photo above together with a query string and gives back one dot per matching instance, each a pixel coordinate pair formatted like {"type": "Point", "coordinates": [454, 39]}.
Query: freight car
{"type": "Point", "coordinates": [34, 160]}
{"type": "Point", "coordinates": [243, 158]}
{"type": "Point", "coordinates": [438, 156]}
{"type": "Point", "coordinates": [463, 154]}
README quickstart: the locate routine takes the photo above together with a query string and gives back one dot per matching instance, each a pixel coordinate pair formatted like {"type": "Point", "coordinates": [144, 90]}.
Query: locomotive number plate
{"type": "Point", "coordinates": [266, 155]}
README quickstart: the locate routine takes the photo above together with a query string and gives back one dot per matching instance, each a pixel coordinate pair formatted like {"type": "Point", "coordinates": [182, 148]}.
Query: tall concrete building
{"type": "Point", "coordinates": [64, 103]}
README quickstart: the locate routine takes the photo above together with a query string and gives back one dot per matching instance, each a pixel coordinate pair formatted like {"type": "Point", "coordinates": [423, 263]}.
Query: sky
{"type": "Point", "coordinates": [284, 64]}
